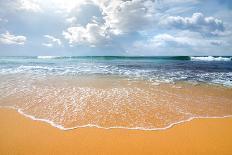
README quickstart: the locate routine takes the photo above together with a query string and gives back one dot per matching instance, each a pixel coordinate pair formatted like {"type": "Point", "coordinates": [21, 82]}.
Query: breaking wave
{"type": "Point", "coordinates": [211, 58]}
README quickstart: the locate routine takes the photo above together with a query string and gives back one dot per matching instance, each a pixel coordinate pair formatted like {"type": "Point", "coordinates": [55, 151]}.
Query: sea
{"type": "Point", "coordinates": [147, 93]}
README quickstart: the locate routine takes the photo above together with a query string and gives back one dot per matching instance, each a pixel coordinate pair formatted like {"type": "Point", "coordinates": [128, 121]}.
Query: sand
{"type": "Point", "coordinates": [23, 136]}
{"type": "Point", "coordinates": [127, 104]}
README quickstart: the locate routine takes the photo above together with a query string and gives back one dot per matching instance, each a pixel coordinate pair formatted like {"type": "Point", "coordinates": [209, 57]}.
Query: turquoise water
{"type": "Point", "coordinates": [210, 70]}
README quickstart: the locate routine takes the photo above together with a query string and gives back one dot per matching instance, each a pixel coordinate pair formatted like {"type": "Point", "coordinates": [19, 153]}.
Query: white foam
{"type": "Point", "coordinates": [48, 57]}
{"type": "Point", "coordinates": [211, 58]}
{"type": "Point", "coordinates": [113, 127]}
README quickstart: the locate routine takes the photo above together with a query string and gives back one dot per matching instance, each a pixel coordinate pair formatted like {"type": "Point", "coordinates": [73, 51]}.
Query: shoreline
{"type": "Point", "coordinates": [21, 135]}
{"type": "Point", "coordinates": [114, 127]}
{"type": "Point", "coordinates": [154, 100]}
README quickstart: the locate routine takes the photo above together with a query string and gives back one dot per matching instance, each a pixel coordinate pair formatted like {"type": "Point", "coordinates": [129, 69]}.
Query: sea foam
{"type": "Point", "coordinates": [113, 127]}
{"type": "Point", "coordinates": [211, 58]}
{"type": "Point", "coordinates": [48, 57]}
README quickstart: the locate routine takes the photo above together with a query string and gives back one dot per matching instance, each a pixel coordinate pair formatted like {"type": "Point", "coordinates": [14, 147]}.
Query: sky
{"type": "Point", "coordinates": [115, 27]}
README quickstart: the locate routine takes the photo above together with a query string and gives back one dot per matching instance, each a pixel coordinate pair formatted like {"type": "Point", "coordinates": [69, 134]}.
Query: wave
{"type": "Point", "coordinates": [211, 58]}
{"type": "Point", "coordinates": [118, 57]}
{"type": "Point", "coordinates": [148, 58]}
{"type": "Point", "coordinates": [49, 57]}
{"type": "Point", "coordinates": [113, 127]}
{"type": "Point", "coordinates": [193, 58]}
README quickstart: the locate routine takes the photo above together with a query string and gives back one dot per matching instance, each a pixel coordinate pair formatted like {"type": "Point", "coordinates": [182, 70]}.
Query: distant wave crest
{"type": "Point", "coordinates": [193, 58]}
{"type": "Point", "coordinates": [48, 57]}
{"type": "Point", "coordinates": [211, 58]}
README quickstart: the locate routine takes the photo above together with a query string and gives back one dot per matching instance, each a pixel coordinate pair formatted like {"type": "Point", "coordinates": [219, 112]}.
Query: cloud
{"type": "Point", "coordinates": [47, 44]}
{"type": "Point", "coordinates": [71, 20]}
{"type": "Point", "coordinates": [9, 6]}
{"type": "Point", "coordinates": [93, 34]}
{"type": "Point", "coordinates": [29, 5]}
{"type": "Point", "coordinates": [85, 13]}
{"type": "Point", "coordinates": [10, 39]}
{"type": "Point", "coordinates": [181, 43]}
{"type": "Point", "coordinates": [167, 39]}
{"type": "Point", "coordinates": [124, 18]}
{"type": "Point", "coordinates": [127, 16]}
{"type": "Point", "coordinates": [51, 41]}
{"type": "Point", "coordinates": [3, 20]}
{"type": "Point", "coordinates": [183, 39]}
{"type": "Point", "coordinates": [198, 22]}
{"type": "Point", "coordinates": [64, 6]}
{"type": "Point", "coordinates": [117, 17]}
{"type": "Point", "coordinates": [87, 26]}
{"type": "Point", "coordinates": [153, 26]}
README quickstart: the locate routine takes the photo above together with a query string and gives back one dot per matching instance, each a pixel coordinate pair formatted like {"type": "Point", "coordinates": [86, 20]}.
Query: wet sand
{"type": "Point", "coordinates": [116, 102]}
{"type": "Point", "coordinates": [20, 135]}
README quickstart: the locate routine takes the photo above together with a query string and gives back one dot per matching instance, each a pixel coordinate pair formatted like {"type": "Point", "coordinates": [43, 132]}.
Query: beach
{"type": "Point", "coordinates": [115, 77]}
{"type": "Point", "coordinates": [115, 105]}
{"type": "Point", "coordinates": [22, 136]}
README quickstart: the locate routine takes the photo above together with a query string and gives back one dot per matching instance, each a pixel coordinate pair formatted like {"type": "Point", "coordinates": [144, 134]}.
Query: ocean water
{"type": "Point", "coordinates": [117, 92]}
{"type": "Point", "coordinates": [210, 70]}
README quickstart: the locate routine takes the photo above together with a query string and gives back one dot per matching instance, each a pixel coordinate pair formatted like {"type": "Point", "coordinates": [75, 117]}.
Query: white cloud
{"type": "Point", "coordinates": [83, 14]}
{"type": "Point", "coordinates": [51, 41]}
{"type": "Point", "coordinates": [10, 39]}
{"type": "Point", "coordinates": [127, 16]}
{"type": "Point", "coordinates": [198, 22]}
{"type": "Point", "coordinates": [164, 39]}
{"type": "Point", "coordinates": [116, 17]}
{"type": "Point", "coordinates": [29, 5]}
{"type": "Point", "coordinates": [47, 44]}
{"type": "Point", "coordinates": [181, 43]}
{"type": "Point", "coordinates": [121, 17]}
{"type": "Point", "coordinates": [71, 20]}
{"type": "Point", "coordinates": [3, 20]}
{"type": "Point", "coordinates": [12, 6]}
{"type": "Point", "coordinates": [93, 34]}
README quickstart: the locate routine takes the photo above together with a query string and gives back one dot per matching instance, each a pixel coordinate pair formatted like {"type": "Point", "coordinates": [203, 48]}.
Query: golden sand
{"type": "Point", "coordinates": [23, 136]}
